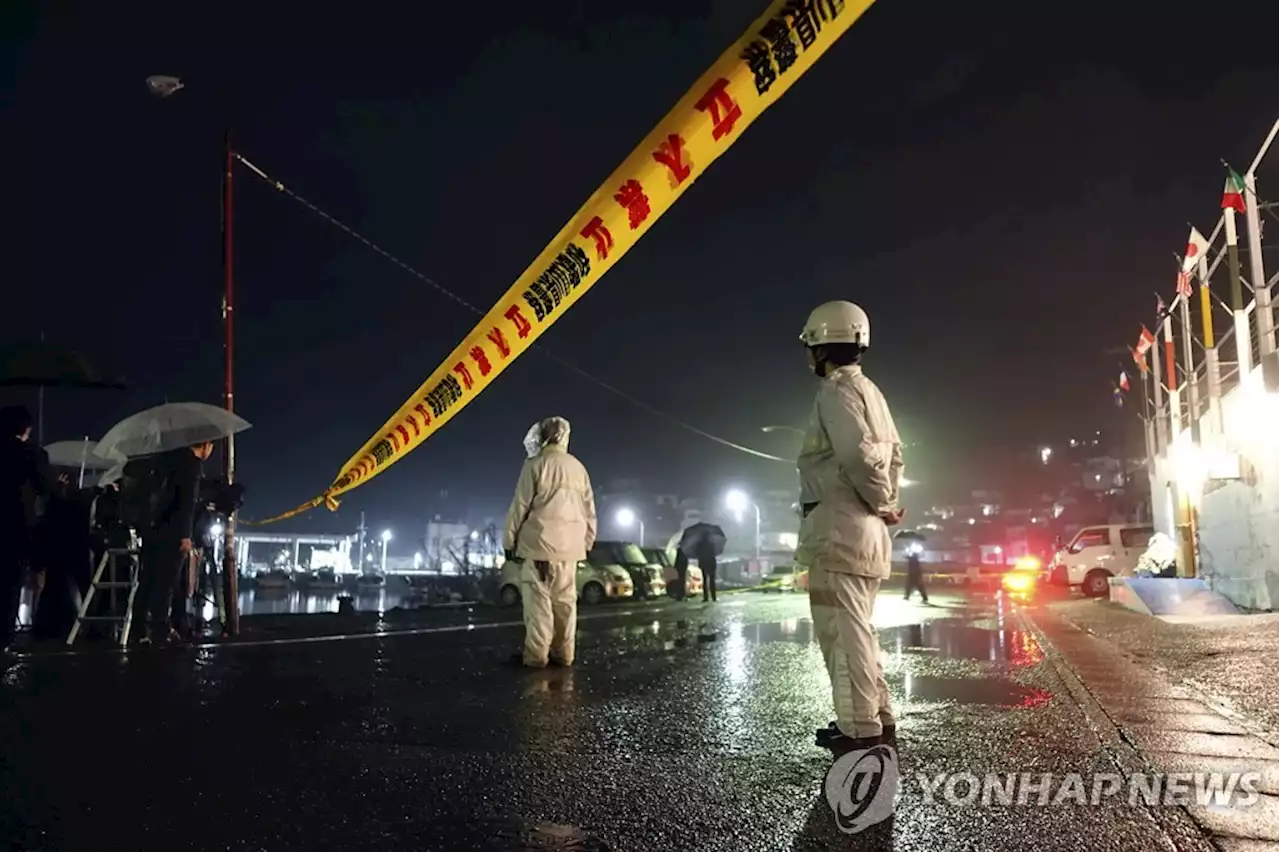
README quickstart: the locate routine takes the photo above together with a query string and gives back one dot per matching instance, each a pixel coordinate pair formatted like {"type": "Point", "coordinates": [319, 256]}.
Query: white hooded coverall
{"type": "Point", "coordinates": [850, 467]}
{"type": "Point", "coordinates": [551, 526]}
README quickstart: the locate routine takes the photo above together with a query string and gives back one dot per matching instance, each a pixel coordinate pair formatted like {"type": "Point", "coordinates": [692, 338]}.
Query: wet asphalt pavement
{"type": "Point", "coordinates": [682, 727]}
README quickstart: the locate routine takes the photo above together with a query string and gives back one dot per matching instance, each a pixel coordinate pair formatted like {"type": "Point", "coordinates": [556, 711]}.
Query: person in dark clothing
{"type": "Point", "coordinates": [167, 543]}
{"type": "Point", "coordinates": [24, 479]}
{"type": "Point", "coordinates": [682, 574]}
{"type": "Point", "coordinates": [63, 545]}
{"type": "Point", "coordinates": [915, 577]}
{"type": "Point", "coordinates": [707, 563]}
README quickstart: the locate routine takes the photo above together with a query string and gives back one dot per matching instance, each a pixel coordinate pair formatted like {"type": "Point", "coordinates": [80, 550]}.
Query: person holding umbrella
{"type": "Point", "coordinates": [704, 542]}
{"type": "Point", "coordinates": [850, 471]}
{"type": "Point", "coordinates": [550, 527]}
{"type": "Point", "coordinates": [167, 445]}
{"type": "Point", "coordinates": [915, 574]}
{"type": "Point", "coordinates": [174, 486]}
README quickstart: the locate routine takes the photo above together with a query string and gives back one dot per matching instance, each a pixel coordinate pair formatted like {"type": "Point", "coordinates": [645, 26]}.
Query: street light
{"type": "Point", "coordinates": [738, 502]}
{"type": "Point", "coordinates": [626, 517]}
{"type": "Point", "coordinates": [386, 537]}
{"type": "Point", "coordinates": [782, 428]}
{"type": "Point", "coordinates": [165, 86]}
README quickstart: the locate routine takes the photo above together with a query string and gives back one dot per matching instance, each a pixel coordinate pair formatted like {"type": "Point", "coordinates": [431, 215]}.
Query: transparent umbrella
{"type": "Point", "coordinates": [169, 427]}
{"type": "Point", "coordinates": [81, 454]}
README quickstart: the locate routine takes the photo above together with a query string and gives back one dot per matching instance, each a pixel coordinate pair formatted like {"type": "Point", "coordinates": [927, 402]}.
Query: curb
{"type": "Point", "coordinates": [1179, 825]}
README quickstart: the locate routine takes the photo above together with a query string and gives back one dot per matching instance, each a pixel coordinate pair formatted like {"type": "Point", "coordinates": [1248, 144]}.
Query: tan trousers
{"type": "Point", "coordinates": [550, 612]}
{"type": "Point", "coordinates": [842, 606]}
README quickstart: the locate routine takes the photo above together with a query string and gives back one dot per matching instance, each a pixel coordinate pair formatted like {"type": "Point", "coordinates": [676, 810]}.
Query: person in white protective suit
{"type": "Point", "coordinates": [551, 526]}
{"type": "Point", "coordinates": [850, 470]}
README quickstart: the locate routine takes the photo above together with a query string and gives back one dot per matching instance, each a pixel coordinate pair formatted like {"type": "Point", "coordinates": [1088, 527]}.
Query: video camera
{"type": "Point", "coordinates": [218, 501]}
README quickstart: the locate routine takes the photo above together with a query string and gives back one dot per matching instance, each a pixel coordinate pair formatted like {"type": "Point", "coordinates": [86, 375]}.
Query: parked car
{"type": "Point", "coordinates": [692, 577]}
{"type": "Point", "coordinates": [787, 578]}
{"type": "Point", "coordinates": [645, 575]}
{"type": "Point", "coordinates": [594, 583]}
{"type": "Point", "coordinates": [1099, 553]}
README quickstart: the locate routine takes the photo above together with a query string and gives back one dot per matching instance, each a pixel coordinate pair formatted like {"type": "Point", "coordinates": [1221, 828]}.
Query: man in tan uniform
{"type": "Point", "coordinates": [551, 526]}
{"type": "Point", "coordinates": [850, 468]}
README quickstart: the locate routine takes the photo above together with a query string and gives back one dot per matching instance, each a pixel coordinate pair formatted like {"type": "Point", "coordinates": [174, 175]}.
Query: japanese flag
{"type": "Point", "coordinates": [1197, 247]}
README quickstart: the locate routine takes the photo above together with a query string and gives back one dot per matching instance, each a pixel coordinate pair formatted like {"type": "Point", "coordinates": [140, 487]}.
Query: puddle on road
{"type": "Point", "coordinates": [993, 691]}
{"type": "Point", "coordinates": [963, 641]}
{"type": "Point", "coordinates": [528, 837]}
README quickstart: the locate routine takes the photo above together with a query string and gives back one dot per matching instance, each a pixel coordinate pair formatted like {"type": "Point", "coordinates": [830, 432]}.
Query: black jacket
{"type": "Point", "coordinates": [24, 479]}
{"type": "Point", "coordinates": [177, 506]}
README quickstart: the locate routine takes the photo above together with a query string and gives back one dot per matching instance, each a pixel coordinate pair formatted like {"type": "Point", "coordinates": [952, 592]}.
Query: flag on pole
{"type": "Point", "coordinates": [1140, 360]}
{"type": "Point", "coordinates": [1145, 341]}
{"type": "Point", "coordinates": [1161, 310]}
{"type": "Point", "coordinates": [1197, 247]}
{"type": "Point", "coordinates": [1124, 380]}
{"type": "Point", "coordinates": [1233, 192]}
{"type": "Point", "coordinates": [1183, 286]}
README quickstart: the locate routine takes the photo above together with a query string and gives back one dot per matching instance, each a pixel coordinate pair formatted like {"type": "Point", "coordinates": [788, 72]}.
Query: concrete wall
{"type": "Point", "coordinates": [1238, 518]}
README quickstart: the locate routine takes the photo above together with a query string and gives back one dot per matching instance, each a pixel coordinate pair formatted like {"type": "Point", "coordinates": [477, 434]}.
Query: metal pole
{"type": "Point", "coordinates": [1189, 367]}
{"type": "Point", "coordinates": [1240, 320]}
{"type": "Point", "coordinates": [1213, 376]}
{"type": "Point", "coordinates": [641, 533]}
{"type": "Point", "coordinates": [756, 506]}
{"type": "Point", "coordinates": [230, 570]}
{"type": "Point", "coordinates": [360, 555]}
{"type": "Point", "coordinates": [1162, 428]}
{"type": "Point", "coordinates": [384, 557]}
{"type": "Point", "coordinates": [1171, 376]}
{"type": "Point", "coordinates": [1258, 277]}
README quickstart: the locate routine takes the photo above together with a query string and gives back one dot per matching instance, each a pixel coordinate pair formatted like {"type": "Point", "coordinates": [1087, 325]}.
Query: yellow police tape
{"type": "Point", "coordinates": [778, 48]}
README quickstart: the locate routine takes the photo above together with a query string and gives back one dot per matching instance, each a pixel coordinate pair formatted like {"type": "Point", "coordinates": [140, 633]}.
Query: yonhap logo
{"type": "Point", "coordinates": [861, 787]}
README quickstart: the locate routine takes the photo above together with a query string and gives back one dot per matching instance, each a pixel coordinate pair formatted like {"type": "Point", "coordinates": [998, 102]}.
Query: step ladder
{"type": "Point", "coordinates": [111, 565]}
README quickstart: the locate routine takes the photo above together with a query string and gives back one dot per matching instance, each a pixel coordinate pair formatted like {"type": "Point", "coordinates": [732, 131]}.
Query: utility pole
{"type": "Point", "coordinates": [164, 86]}
{"type": "Point", "coordinates": [230, 570]}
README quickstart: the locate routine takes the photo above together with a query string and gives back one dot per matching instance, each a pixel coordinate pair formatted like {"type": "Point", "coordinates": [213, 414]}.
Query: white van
{"type": "Point", "coordinates": [1097, 553]}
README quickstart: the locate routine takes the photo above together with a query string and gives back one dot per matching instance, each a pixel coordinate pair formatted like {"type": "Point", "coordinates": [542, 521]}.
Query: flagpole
{"type": "Point", "coordinates": [1162, 429]}
{"type": "Point", "coordinates": [1148, 439]}
{"type": "Point", "coordinates": [1258, 276]}
{"type": "Point", "coordinates": [1189, 369]}
{"type": "Point", "coordinates": [1213, 375]}
{"type": "Point", "coordinates": [1239, 319]}
{"type": "Point", "coordinates": [1171, 379]}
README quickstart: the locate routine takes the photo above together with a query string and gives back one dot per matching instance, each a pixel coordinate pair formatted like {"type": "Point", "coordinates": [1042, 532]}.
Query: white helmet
{"type": "Point", "coordinates": [837, 322]}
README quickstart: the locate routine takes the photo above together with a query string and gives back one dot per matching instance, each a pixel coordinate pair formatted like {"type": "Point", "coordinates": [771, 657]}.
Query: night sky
{"type": "Point", "coordinates": [999, 185]}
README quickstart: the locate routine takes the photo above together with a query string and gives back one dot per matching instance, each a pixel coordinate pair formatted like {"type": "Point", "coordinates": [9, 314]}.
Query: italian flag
{"type": "Point", "coordinates": [1233, 192]}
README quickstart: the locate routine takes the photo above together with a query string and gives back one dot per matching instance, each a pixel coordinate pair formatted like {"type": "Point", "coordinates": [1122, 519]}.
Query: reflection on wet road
{"type": "Point", "coordinates": [681, 727]}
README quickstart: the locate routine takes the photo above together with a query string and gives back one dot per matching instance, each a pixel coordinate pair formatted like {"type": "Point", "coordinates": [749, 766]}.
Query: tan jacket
{"type": "Point", "coordinates": [850, 465]}
{"type": "Point", "coordinates": [553, 513]}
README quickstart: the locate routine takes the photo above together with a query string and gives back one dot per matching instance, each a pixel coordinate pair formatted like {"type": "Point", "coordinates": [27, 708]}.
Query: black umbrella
{"type": "Point", "coordinates": [699, 534]}
{"type": "Point", "coordinates": [49, 365]}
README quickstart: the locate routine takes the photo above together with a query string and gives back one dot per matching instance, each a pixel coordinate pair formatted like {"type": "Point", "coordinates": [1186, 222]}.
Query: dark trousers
{"type": "Point", "coordinates": [915, 582]}
{"type": "Point", "coordinates": [11, 576]}
{"type": "Point", "coordinates": [708, 581]}
{"type": "Point", "coordinates": [162, 564]}
{"type": "Point", "coordinates": [682, 579]}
